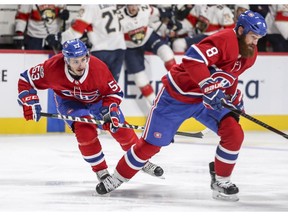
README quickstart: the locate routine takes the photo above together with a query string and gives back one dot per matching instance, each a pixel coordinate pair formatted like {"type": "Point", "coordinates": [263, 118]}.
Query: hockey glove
{"type": "Point", "coordinates": [165, 13]}
{"type": "Point", "coordinates": [64, 14]}
{"type": "Point", "coordinates": [174, 25]}
{"type": "Point", "coordinates": [212, 94]}
{"type": "Point", "coordinates": [236, 100]}
{"type": "Point", "coordinates": [18, 40]}
{"type": "Point", "coordinates": [202, 24]}
{"type": "Point", "coordinates": [30, 102]}
{"type": "Point", "coordinates": [54, 41]}
{"type": "Point", "coordinates": [111, 117]}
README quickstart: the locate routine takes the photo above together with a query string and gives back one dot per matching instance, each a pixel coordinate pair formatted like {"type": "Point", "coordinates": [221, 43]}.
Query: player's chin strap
{"type": "Point", "coordinates": [255, 120]}
{"type": "Point", "coordinates": [101, 122]}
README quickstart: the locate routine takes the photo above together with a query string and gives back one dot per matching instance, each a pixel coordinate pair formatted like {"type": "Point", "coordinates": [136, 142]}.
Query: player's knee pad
{"type": "Point", "coordinates": [231, 133]}
{"type": "Point", "coordinates": [145, 150]}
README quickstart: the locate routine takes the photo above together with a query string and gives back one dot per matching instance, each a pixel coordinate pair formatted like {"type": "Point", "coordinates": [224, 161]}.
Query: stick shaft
{"type": "Point", "coordinates": [256, 121]}
{"type": "Point", "coordinates": [101, 122]}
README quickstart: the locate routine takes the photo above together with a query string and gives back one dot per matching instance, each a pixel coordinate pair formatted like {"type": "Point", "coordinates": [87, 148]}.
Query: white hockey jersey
{"type": "Point", "coordinates": [102, 26]}
{"type": "Point", "coordinates": [33, 16]}
{"type": "Point", "coordinates": [277, 20]}
{"type": "Point", "coordinates": [136, 28]}
{"type": "Point", "coordinates": [189, 23]}
{"type": "Point", "coordinates": [220, 17]}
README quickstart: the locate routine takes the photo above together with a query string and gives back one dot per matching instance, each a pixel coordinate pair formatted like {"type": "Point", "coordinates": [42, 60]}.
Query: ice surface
{"type": "Point", "coordinates": [46, 173]}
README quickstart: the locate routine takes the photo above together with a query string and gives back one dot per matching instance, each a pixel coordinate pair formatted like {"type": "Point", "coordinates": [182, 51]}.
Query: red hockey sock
{"type": "Point", "coordinates": [169, 64]}
{"type": "Point", "coordinates": [141, 152]}
{"type": "Point", "coordinates": [227, 152]}
{"type": "Point", "coordinates": [125, 137]}
{"type": "Point", "coordinates": [89, 145]}
{"type": "Point", "coordinates": [147, 90]}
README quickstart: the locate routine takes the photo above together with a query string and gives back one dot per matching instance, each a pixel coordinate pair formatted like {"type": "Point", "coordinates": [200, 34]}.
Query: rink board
{"type": "Point", "coordinates": [262, 85]}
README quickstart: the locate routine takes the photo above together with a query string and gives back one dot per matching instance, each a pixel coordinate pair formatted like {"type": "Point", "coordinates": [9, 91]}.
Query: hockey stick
{"type": "Point", "coordinates": [255, 120]}
{"type": "Point", "coordinates": [46, 27]}
{"type": "Point", "coordinates": [101, 122]}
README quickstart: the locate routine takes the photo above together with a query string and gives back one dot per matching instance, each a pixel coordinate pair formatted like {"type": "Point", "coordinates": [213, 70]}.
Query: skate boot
{"type": "Point", "coordinates": [153, 169]}
{"type": "Point", "coordinates": [102, 174]}
{"type": "Point", "coordinates": [109, 184]}
{"type": "Point", "coordinates": [223, 188]}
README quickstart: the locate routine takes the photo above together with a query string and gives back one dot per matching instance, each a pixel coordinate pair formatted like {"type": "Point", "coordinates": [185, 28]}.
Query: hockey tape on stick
{"type": "Point", "coordinates": [101, 122]}
{"type": "Point", "coordinates": [255, 120]}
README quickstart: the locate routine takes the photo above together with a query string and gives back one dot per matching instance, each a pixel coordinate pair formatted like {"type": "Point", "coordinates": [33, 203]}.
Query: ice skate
{"type": "Point", "coordinates": [222, 189]}
{"type": "Point", "coordinates": [153, 170]}
{"type": "Point", "coordinates": [102, 174]}
{"type": "Point", "coordinates": [110, 183]}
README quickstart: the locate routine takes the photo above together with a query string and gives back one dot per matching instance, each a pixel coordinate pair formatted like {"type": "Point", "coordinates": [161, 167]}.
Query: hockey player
{"type": "Point", "coordinates": [140, 37]}
{"type": "Point", "coordinates": [210, 21]}
{"type": "Point", "coordinates": [83, 87]}
{"type": "Point", "coordinates": [197, 87]}
{"type": "Point", "coordinates": [33, 23]}
{"type": "Point", "coordinates": [277, 21]}
{"type": "Point", "coordinates": [101, 24]}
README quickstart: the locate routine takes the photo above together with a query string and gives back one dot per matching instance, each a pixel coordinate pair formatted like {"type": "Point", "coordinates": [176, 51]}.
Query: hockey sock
{"type": "Point", "coordinates": [89, 145]}
{"type": "Point", "coordinates": [135, 158]}
{"type": "Point", "coordinates": [125, 137]}
{"type": "Point", "coordinates": [169, 64]}
{"type": "Point", "coordinates": [227, 151]}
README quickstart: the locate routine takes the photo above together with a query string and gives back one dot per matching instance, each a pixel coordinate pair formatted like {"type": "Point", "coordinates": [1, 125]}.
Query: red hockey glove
{"type": "Point", "coordinates": [30, 103]}
{"type": "Point", "coordinates": [236, 100]}
{"type": "Point", "coordinates": [111, 117]}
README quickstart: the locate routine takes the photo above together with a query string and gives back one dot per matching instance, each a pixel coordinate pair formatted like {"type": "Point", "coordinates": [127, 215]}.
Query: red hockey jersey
{"type": "Point", "coordinates": [97, 82]}
{"type": "Point", "coordinates": [220, 50]}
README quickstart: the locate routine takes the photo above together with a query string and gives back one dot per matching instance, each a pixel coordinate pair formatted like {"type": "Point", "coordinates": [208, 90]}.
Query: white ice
{"type": "Point", "coordinates": [46, 173]}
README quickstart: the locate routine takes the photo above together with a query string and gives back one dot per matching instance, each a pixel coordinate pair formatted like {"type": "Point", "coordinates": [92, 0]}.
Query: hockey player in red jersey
{"type": "Point", "coordinates": [197, 87]}
{"type": "Point", "coordinates": [83, 87]}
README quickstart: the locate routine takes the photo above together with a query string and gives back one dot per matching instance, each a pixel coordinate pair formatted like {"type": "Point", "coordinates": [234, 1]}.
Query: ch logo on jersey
{"type": "Point", "coordinates": [86, 97]}
{"type": "Point", "coordinates": [225, 79]}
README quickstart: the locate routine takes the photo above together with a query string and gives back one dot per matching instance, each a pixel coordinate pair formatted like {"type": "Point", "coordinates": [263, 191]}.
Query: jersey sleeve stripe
{"type": "Point", "coordinates": [194, 53]}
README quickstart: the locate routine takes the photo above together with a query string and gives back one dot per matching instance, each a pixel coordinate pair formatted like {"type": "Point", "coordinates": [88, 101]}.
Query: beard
{"type": "Point", "coordinates": [245, 50]}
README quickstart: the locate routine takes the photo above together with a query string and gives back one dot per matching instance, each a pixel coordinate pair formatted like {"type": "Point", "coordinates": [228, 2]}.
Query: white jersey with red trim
{"type": "Point", "coordinates": [136, 28]}
{"type": "Point", "coordinates": [277, 20]}
{"type": "Point", "coordinates": [102, 26]}
{"type": "Point", "coordinates": [33, 17]}
{"type": "Point", "coordinates": [220, 17]}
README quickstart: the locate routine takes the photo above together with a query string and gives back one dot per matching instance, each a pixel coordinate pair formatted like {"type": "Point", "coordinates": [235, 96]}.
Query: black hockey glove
{"type": "Point", "coordinates": [165, 13]}
{"type": "Point", "coordinates": [64, 14]}
{"type": "Point", "coordinates": [54, 41]}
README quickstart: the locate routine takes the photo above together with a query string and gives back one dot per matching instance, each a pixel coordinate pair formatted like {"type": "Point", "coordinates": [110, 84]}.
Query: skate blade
{"type": "Point", "coordinates": [160, 177]}
{"type": "Point", "coordinates": [224, 197]}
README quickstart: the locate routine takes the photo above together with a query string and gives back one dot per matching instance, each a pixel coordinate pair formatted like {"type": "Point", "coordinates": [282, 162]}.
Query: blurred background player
{"type": "Point", "coordinates": [206, 20]}
{"type": "Point", "coordinates": [100, 23]}
{"type": "Point", "coordinates": [277, 22]}
{"type": "Point", "coordinates": [140, 37]}
{"type": "Point", "coordinates": [33, 23]}
{"type": "Point", "coordinates": [84, 87]}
